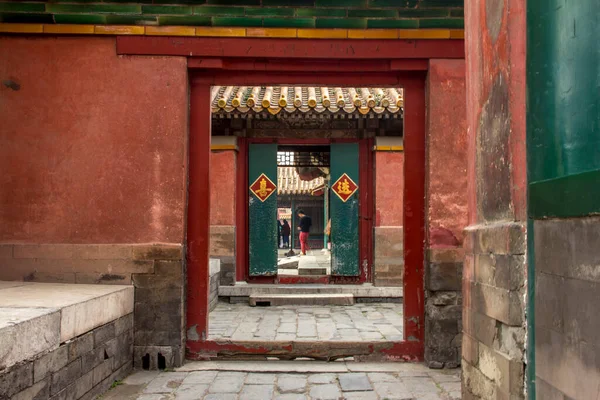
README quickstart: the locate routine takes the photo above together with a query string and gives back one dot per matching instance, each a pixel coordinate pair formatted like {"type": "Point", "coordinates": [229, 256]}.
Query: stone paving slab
{"type": "Point", "coordinates": [359, 322]}
{"type": "Point", "coordinates": [224, 381]}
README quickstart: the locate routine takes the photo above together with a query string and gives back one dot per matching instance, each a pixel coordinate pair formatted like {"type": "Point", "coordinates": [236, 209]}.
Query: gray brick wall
{"type": "Point", "coordinates": [443, 305]}
{"type": "Point", "coordinates": [567, 280]}
{"type": "Point", "coordinates": [494, 311]}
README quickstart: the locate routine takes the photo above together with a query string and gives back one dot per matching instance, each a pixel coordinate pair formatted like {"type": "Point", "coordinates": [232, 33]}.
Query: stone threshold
{"type": "Point", "coordinates": [300, 367]}
{"type": "Point", "coordinates": [317, 350]}
{"type": "Point", "coordinates": [365, 290]}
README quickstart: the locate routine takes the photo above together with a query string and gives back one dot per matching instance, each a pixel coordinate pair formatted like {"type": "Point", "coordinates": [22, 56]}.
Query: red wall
{"type": "Point", "coordinates": [496, 54]}
{"type": "Point", "coordinates": [389, 188]}
{"type": "Point", "coordinates": [447, 149]}
{"type": "Point", "coordinates": [93, 144]}
{"type": "Point", "coordinates": [222, 188]}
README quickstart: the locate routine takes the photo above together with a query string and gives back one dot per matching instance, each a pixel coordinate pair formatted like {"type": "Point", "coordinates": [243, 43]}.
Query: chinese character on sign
{"type": "Point", "coordinates": [263, 187]}
{"type": "Point", "coordinates": [344, 187]}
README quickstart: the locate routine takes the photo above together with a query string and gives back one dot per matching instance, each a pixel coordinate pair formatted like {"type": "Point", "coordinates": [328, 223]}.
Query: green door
{"type": "Point", "coordinates": [262, 209]}
{"type": "Point", "coordinates": [343, 205]}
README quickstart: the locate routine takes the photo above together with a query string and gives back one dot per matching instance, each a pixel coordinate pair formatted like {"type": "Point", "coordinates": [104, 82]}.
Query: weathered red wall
{"type": "Point", "coordinates": [389, 188]}
{"type": "Point", "coordinates": [446, 149]}
{"type": "Point", "coordinates": [495, 65]}
{"type": "Point", "coordinates": [222, 188]}
{"type": "Point", "coordinates": [93, 144]}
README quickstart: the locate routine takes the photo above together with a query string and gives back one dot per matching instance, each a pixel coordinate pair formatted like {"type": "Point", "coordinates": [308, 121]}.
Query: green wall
{"type": "Point", "coordinates": [359, 14]}
{"type": "Point", "coordinates": [563, 107]}
{"type": "Point", "coordinates": [563, 148]}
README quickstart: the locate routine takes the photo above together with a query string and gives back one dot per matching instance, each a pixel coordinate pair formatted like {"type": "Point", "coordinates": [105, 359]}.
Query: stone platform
{"type": "Point", "coordinates": [69, 338]}
{"type": "Point", "coordinates": [356, 323]}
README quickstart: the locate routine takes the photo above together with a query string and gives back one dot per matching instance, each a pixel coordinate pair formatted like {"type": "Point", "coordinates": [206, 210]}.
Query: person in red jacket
{"type": "Point", "coordinates": [304, 228]}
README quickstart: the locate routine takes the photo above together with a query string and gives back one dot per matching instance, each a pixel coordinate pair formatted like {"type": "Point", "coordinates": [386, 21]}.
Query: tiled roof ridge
{"type": "Point", "coordinates": [306, 98]}
{"type": "Point", "coordinates": [289, 182]}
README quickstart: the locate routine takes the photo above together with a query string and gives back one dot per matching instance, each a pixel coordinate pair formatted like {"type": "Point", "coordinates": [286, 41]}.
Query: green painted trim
{"type": "Point", "coordinates": [568, 196]}
{"type": "Point", "coordinates": [530, 309]}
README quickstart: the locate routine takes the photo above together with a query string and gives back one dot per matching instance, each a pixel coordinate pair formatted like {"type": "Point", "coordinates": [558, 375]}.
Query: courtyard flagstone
{"type": "Point", "coordinates": [299, 380]}
{"type": "Point", "coordinates": [359, 322]}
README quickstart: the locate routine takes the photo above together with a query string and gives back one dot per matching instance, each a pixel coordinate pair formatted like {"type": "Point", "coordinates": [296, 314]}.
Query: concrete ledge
{"type": "Point", "coordinates": [17, 325]}
{"type": "Point", "coordinates": [48, 314]}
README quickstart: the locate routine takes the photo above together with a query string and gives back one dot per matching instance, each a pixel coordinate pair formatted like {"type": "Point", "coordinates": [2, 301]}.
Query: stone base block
{"type": "Point", "coordinates": [81, 368]}
{"type": "Point", "coordinates": [157, 357]}
{"type": "Point", "coordinates": [19, 330]}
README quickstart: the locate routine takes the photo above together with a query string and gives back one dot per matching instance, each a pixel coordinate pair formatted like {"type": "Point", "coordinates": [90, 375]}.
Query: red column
{"type": "Point", "coordinates": [198, 217]}
{"type": "Point", "coordinates": [414, 209]}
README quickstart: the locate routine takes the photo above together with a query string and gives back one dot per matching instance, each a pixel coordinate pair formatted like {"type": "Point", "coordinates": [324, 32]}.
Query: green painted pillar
{"type": "Point", "coordinates": [325, 212]}
{"type": "Point", "coordinates": [344, 209]}
{"type": "Point", "coordinates": [293, 221]}
{"type": "Point", "coordinates": [262, 209]}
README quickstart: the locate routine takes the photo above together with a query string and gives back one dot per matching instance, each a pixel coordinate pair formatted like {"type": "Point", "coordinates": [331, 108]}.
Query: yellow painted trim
{"type": "Point", "coordinates": [222, 32]}
{"type": "Point", "coordinates": [119, 30]}
{"type": "Point", "coordinates": [223, 147]}
{"type": "Point", "coordinates": [424, 34]}
{"type": "Point", "coordinates": [22, 28]}
{"type": "Point", "coordinates": [272, 32]}
{"type": "Point", "coordinates": [457, 33]}
{"type": "Point", "coordinates": [170, 31]}
{"type": "Point", "coordinates": [372, 34]}
{"type": "Point", "coordinates": [234, 32]}
{"type": "Point", "coordinates": [323, 33]}
{"type": "Point", "coordinates": [388, 148]}
{"type": "Point", "coordinates": [69, 29]}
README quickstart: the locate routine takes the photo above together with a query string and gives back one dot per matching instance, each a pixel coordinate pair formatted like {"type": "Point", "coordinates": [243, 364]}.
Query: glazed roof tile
{"type": "Point", "coordinates": [289, 182]}
{"type": "Point", "coordinates": [306, 98]}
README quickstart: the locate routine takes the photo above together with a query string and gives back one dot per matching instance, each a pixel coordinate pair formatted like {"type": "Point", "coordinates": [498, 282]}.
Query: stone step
{"type": "Point", "coordinates": [37, 317]}
{"type": "Point", "coordinates": [301, 299]}
{"type": "Point", "coordinates": [312, 271]}
{"type": "Point", "coordinates": [243, 289]}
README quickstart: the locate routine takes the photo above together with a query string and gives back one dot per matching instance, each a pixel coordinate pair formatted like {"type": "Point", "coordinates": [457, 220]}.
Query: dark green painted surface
{"type": "Point", "coordinates": [563, 81]}
{"type": "Point", "coordinates": [344, 216]}
{"type": "Point", "coordinates": [347, 14]}
{"type": "Point", "coordinates": [262, 216]}
{"type": "Point", "coordinates": [563, 126]}
{"type": "Point", "coordinates": [568, 196]}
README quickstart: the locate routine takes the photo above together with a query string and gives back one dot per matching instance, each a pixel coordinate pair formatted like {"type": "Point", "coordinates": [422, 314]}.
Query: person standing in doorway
{"type": "Point", "coordinates": [286, 230]}
{"type": "Point", "coordinates": [279, 234]}
{"type": "Point", "coordinates": [304, 228]}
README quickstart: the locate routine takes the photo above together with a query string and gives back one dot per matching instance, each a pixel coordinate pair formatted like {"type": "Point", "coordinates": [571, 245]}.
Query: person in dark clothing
{"type": "Point", "coordinates": [304, 228]}
{"type": "Point", "coordinates": [286, 230]}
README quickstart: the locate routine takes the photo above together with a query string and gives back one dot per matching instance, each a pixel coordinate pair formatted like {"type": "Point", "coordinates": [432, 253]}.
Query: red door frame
{"type": "Point", "coordinates": [365, 209]}
{"type": "Point", "coordinates": [235, 61]}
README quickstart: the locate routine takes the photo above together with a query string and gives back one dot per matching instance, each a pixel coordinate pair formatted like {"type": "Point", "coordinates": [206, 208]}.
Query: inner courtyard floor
{"type": "Point", "coordinates": [296, 380]}
{"type": "Point", "coordinates": [358, 322]}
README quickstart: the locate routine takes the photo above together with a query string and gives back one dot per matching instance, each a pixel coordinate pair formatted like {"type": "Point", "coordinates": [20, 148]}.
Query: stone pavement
{"type": "Point", "coordinates": [360, 322]}
{"type": "Point", "coordinates": [299, 380]}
